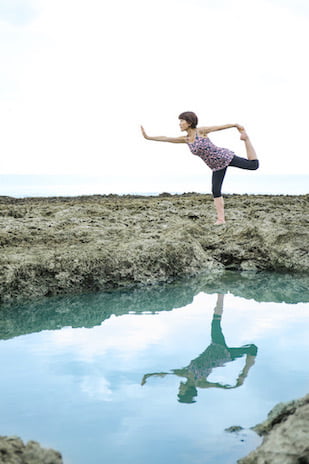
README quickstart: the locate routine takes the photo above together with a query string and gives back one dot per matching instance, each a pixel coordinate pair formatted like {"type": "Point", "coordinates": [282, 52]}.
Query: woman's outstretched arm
{"type": "Point", "coordinates": [208, 129]}
{"type": "Point", "coordinates": [162, 138]}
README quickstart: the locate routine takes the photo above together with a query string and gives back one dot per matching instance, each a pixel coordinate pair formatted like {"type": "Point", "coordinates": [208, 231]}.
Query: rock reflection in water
{"type": "Point", "coordinates": [217, 354]}
{"type": "Point", "coordinates": [91, 310]}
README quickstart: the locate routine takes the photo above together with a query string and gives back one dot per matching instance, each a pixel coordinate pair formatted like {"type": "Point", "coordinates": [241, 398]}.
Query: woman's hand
{"type": "Point", "coordinates": [239, 127]}
{"type": "Point", "coordinates": [144, 133]}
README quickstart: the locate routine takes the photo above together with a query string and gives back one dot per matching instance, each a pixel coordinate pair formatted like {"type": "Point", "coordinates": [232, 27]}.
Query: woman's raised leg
{"type": "Point", "coordinates": [251, 162]}
{"type": "Point", "coordinates": [251, 154]}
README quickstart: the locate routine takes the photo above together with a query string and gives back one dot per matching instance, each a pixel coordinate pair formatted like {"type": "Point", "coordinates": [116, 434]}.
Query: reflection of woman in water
{"type": "Point", "coordinates": [217, 354]}
{"type": "Point", "coordinates": [218, 159]}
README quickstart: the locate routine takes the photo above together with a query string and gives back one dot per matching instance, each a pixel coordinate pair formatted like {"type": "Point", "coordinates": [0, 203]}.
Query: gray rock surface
{"type": "Point", "coordinates": [52, 246]}
{"type": "Point", "coordinates": [286, 435]}
{"type": "Point", "coordinates": [14, 451]}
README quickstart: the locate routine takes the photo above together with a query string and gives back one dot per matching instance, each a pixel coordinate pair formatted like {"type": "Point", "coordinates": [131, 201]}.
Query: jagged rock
{"type": "Point", "coordinates": [286, 435]}
{"type": "Point", "coordinates": [14, 451]}
{"type": "Point", "coordinates": [52, 246]}
{"type": "Point", "coordinates": [234, 429]}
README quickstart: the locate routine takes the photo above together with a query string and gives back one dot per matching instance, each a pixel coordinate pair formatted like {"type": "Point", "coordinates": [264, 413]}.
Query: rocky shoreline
{"type": "Point", "coordinates": [285, 435]}
{"type": "Point", "coordinates": [14, 451]}
{"type": "Point", "coordinates": [68, 245]}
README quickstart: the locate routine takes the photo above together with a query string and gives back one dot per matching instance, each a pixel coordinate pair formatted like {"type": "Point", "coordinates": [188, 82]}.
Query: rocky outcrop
{"type": "Point", "coordinates": [53, 246]}
{"type": "Point", "coordinates": [286, 435]}
{"type": "Point", "coordinates": [14, 451]}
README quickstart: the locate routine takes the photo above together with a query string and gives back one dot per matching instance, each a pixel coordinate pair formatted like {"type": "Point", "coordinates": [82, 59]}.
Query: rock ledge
{"type": "Point", "coordinates": [14, 451]}
{"type": "Point", "coordinates": [68, 245]}
{"type": "Point", "coordinates": [286, 435]}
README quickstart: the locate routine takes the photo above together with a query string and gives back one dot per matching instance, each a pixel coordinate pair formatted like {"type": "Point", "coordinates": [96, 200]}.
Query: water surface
{"type": "Point", "coordinates": [24, 185]}
{"type": "Point", "coordinates": [155, 375]}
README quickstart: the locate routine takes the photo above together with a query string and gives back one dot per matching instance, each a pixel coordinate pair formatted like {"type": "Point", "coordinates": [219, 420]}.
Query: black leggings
{"type": "Point", "coordinates": [217, 338]}
{"type": "Point", "coordinates": [218, 176]}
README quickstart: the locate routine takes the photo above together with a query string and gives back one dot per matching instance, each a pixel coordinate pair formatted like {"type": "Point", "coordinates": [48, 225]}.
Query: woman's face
{"type": "Point", "coordinates": [184, 125]}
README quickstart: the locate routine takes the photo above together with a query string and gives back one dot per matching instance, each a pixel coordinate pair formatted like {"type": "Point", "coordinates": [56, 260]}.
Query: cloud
{"type": "Point", "coordinates": [126, 335]}
{"type": "Point", "coordinates": [97, 388]}
{"type": "Point", "coordinates": [17, 12]}
{"type": "Point", "coordinates": [296, 7]}
{"type": "Point", "coordinates": [81, 77]}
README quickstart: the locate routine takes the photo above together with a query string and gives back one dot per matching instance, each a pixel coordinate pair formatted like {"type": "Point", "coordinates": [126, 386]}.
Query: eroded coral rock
{"type": "Point", "coordinates": [14, 451]}
{"type": "Point", "coordinates": [52, 246]}
{"type": "Point", "coordinates": [286, 435]}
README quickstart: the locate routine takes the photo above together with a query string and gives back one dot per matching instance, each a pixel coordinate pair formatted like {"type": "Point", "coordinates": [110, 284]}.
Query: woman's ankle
{"type": "Point", "coordinates": [219, 222]}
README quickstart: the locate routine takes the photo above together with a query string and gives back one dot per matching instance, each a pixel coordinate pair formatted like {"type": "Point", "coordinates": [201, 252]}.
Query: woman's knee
{"type": "Point", "coordinates": [216, 189]}
{"type": "Point", "coordinates": [216, 193]}
{"type": "Point", "coordinates": [253, 164]}
{"type": "Point", "coordinates": [244, 163]}
{"type": "Point", "coordinates": [217, 181]}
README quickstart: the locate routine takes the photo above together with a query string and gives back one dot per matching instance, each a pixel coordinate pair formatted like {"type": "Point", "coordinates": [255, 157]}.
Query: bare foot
{"type": "Point", "coordinates": [219, 222]}
{"type": "Point", "coordinates": [243, 135]}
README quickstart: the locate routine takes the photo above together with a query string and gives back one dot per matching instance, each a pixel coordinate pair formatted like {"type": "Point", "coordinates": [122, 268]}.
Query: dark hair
{"type": "Point", "coordinates": [190, 117]}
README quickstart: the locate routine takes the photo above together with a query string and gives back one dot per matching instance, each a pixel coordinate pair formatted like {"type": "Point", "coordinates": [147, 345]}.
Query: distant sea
{"type": "Point", "coordinates": [21, 186]}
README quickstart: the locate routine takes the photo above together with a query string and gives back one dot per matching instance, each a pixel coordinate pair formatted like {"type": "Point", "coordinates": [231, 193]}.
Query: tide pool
{"type": "Point", "coordinates": [155, 374]}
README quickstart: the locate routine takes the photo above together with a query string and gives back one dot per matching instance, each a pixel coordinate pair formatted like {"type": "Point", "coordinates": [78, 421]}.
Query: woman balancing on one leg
{"type": "Point", "coordinates": [218, 159]}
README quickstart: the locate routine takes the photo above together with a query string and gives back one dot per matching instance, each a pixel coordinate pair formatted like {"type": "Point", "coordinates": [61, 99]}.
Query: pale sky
{"type": "Point", "coordinates": [79, 77]}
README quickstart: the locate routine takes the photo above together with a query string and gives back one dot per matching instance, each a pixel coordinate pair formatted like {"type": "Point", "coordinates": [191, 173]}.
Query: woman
{"type": "Point", "coordinates": [218, 159]}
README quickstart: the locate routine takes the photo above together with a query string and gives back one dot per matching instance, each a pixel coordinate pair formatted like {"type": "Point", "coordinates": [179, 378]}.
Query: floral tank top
{"type": "Point", "coordinates": [215, 157]}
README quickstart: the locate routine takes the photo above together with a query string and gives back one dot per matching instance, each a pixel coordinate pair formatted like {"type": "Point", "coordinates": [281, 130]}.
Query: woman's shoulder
{"type": "Point", "coordinates": [202, 131]}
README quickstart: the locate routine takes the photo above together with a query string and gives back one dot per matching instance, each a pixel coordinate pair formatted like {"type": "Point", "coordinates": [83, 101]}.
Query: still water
{"type": "Point", "coordinates": [155, 375]}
